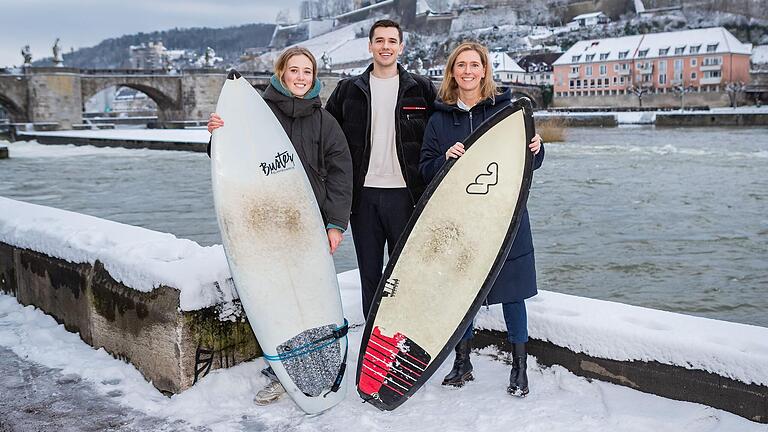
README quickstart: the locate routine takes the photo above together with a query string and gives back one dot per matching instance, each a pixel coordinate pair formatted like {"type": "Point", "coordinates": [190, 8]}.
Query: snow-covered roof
{"type": "Point", "coordinates": [759, 54]}
{"type": "Point", "coordinates": [502, 62]}
{"type": "Point", "coordinates": [707, 41]}
{"type": "Point", "coordinates": [588, 16]}
{"type": "Point", "coordinates": [341, 45]}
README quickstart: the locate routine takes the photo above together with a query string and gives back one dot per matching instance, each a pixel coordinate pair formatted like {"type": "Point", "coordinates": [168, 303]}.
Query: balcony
{"type": "Point", "coordinates": [625, 71]}
{"type": "Point", "coordinates": [710, 81]}
{"type": "Point", "coordinates": [710, 67]}
{"type": "Point", "coordinates": [573, 74]}
{"type": "Point", "coordinates": [645, 69]}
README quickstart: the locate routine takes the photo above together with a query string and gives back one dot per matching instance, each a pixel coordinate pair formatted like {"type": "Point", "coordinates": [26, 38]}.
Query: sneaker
{"type": "Point", "coordinates": [270, 393]}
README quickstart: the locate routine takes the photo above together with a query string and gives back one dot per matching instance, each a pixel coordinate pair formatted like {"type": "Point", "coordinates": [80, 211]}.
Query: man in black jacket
{"type": "Point", "coordinates": [383, 113]}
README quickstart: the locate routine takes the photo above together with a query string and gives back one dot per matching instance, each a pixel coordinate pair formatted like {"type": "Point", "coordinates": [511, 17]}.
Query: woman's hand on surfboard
{"type": "Point", "coordinates": [214, 122]}
{"type": "Point", "coordinates": [335, 237]}
{"type": "Point", "coordinates": [455, 151]}
{"type": "Point", "coordinates": [535, 144]}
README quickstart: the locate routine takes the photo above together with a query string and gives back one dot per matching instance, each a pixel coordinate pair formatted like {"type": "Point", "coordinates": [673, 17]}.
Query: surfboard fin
{"type": "Point", "coordinates": [233, 74]}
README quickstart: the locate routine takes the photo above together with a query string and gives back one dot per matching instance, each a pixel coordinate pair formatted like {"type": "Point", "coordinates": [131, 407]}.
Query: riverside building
{"type": "Point", "coordinates": [660, 67]}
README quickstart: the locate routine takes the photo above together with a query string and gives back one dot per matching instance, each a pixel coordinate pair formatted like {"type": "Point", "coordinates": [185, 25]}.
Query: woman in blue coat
{"type": "Point", "coordinates": [468, 96]}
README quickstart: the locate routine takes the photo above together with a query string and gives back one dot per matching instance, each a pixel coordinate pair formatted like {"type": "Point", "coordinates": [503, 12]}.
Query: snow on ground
{"type": "Point", "coordinates": [222, 401]}
{"type": "Point", "coordinates": [144, 259]}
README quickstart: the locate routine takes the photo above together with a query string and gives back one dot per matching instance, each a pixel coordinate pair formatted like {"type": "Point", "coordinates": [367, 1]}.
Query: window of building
{"type": "Point", "coordinates": [642, 53]}
{"type": "Point", "coordinates": [712, 61]}
{"type": "Point", "coordinates": [693, 62]}
{"type": "Point", "coordinates": [603, 70]}
{"type": "Point", "coordinates": [695, 49]}
{"type": "Point", "coordinates": [624, 66]}
{"type": "Point", "coordinates": [614, 80]}
{"type": "Point", "coordinates": [663, 51]}
{"type": "Point", "coordinates": [592, 83]}
{"type": "Point", "coordinates": [693, 75]}
{"type": "Point", "coordinates": [712, 74]}
{"type": "Point", "coordinates": [588, 71]}
{"type": "Point", "coordinates": [589, 57]}
{"type": "Point", "coordinates": [604, 56]}
{"type": "Point", "coordinates": [571, 84]}
{"type": "Point", "coordinates": [663, 66]}
{"type": "Point", "coordinates": [712, 48]}
{"type": "Point", "coordinates": [623, 54]}
{"type": "Point", "coordinates": [680, 50]}
{"type": "Point", "coordinates": [647, 78]}
{"type": "Point", "coordinates": [621, 80]}
{"type": "Point", "coordinates": [662, 79]}
{"type": "Point", "coordinates": [575, 58]}
{"type": "Point", "coordinates": [615, 67]}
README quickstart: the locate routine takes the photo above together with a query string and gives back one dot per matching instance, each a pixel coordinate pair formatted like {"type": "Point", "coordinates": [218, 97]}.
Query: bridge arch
{"type": "Point", "coordinates": [163, 100]}
{"type": "Point", "coordinates": [16, 113]}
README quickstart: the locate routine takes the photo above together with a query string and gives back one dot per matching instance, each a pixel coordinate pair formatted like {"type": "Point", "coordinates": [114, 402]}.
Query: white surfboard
{"type": "Point", "coordinates": [447, 259]}
{"type": "Point", "coordinates": [277, 249]}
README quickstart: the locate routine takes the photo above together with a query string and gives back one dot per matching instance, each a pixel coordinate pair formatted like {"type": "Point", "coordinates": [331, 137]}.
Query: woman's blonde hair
{"type": "Point", "coordinates": [282, 62]}
{"type": "Point", "coordinates": [449, 90]}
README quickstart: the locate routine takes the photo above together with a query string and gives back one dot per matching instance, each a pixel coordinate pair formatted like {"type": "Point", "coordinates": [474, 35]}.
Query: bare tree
{"type": "Point", "coordinates": [681, 90]}
{"type": "Point", "coordinates": [640, 91]}
{"type": "Point", "coordinates": [734, 90]}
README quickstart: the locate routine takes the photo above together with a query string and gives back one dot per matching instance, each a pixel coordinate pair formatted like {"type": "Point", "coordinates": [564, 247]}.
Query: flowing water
{"type": "Point", "coordinates": [668, 218]}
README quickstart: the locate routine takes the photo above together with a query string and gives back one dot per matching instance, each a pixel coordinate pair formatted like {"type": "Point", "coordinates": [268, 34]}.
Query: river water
{"type": "Point", "coordinates": [668, 218]}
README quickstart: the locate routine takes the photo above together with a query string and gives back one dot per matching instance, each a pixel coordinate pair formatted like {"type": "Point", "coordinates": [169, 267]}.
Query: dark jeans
{"type": "Point", "coordinates": [380, 219]}
{"type": "Point", "coordinates": [516, 318]}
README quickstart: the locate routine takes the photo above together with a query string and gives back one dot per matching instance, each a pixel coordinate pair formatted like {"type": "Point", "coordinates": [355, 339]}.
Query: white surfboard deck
{"type": "Point", "coordinates": [276, 244]}
{"type": "Point", "coordinates": [452, 250]}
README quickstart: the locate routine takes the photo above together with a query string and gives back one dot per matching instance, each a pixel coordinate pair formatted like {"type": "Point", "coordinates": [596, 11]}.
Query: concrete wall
{"type": "Point", "coordinates": [145, 329]}
{"type": "Point", "coordinates": [661, 100]}
{"type": "Point", "coordinates": [674, 382]}
{"type": "Point", "coordinates": [712, 119]}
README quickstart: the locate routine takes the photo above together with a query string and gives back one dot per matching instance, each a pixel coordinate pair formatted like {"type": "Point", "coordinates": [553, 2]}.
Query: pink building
{"type": "Point", "coordinates": [705, 60]}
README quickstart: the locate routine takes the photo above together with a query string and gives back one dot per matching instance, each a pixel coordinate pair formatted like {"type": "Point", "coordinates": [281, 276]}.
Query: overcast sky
{"type": "Point", "coordinates": [83, 23]}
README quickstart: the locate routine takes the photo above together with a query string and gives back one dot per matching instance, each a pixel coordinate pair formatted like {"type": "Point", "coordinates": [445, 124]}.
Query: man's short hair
{"type": "Point", "coordinates": [385, 23]}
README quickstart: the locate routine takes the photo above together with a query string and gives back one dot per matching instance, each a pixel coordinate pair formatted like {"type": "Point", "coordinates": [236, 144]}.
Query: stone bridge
{"type": "Point", "coordinates": [57, 95]}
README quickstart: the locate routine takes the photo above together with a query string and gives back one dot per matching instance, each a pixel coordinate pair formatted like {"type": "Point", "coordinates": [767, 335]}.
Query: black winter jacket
{"type": "Point", "coordinates": [350, 104]}
{"type": "Point", "coordinates": [322, 149]}
{"type": "Point", "coordinates": [450, 124]}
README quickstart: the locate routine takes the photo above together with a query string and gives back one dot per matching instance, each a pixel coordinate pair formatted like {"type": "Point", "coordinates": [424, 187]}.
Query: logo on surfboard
{"type": "Point", "coordinates": [483, 182]}
{"type": "Point", "coordinates": [283, 161]}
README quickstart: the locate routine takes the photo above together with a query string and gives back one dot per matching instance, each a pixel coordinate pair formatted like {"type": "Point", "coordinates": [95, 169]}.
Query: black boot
{"type": "Point", "coordinates": [462, 367]}
{"type": "Point", "coordinates": [518, 378]}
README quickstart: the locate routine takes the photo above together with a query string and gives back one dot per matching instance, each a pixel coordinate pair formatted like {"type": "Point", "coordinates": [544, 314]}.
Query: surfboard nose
{"type": "Point", "coordinates": [233, 74]}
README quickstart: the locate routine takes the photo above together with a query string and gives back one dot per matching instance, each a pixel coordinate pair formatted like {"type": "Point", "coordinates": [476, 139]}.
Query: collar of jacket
{"type": "Point", "coordinates": [406, 80]}
{"type": "Point", "coordinates": [289, 105]}
{"type": "Point", "coordinates": [311, 94]}
{"type": "Point", "coordinates": [501, 99]}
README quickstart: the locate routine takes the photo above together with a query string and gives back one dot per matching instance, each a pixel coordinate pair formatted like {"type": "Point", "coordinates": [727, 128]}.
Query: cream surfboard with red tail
{"type": "Point", "coordinates": [447, 259]}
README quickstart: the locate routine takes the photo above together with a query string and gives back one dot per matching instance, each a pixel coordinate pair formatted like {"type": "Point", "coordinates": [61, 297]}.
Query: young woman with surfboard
{"type": "Point", "coordinates": [467, 97]}
{"type": "Point", "coordinates": [293, 97]}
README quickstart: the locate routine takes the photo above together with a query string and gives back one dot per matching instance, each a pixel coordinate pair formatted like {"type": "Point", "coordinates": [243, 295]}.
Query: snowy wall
{"type": "Point", "coordinates": [661, 346]}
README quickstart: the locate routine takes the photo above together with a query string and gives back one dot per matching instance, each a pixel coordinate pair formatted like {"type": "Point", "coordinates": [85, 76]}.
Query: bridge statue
{"type": "Point", "coordinates": [209, 58]}
{"type": "Point", "coordinates": [327, 61]}
{"type": "Point", "coordinates": [27, 53]}
{"type": "Point", "coordinates": [57, 60]}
